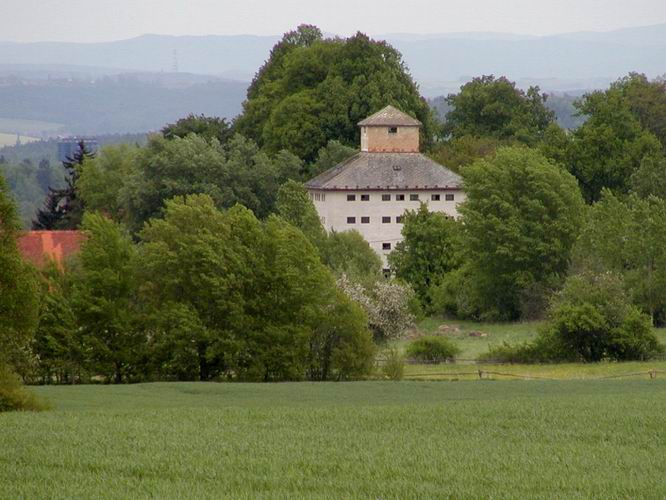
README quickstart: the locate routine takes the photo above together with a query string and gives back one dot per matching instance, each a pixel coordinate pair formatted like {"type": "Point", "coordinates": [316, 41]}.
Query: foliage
{"type": "Point", "coordinates": [14, 397]}
{"type": "Point", "coordinates": [458, 152]}
{"type": "Point", "coordinates": [313, 90]}
{"type": "Point", "coordinates": [249, 299]}
{"type": "Point", "coordinates": [432, 350]}
{"type": "Point", "coordinates": [610, 146]}
{"type": "Point", "coordinates": [103, 296]}
{"type": "Point", "coordinates": [237, 173]}
{"type": "Point", "coordinates": [329, 156]}
{"type": "Point", "coordinates": [650, 178]}
{"type": "Point", "coordinates": [349, 253]}
{"type": "Point", "coordinates": [295, 206]}
{"type": "Point", "coordinates": [387, 304]}
{"type": "Point", "coordinates": [427, 251]}
{"type": "Point", "coordinates": [521, 216]}
{"type": "Point", "coordinates": [19, 293]}
{"type": "Point", "coordinates": [628, 236]}
{"type": "Point", "coordinates": [494, 107]}
{"type": "Point", "coordinates": [208, 127]}
{"type": "Point", "coordinates": [63, 208]}
{"type": "Point", "coordinates": [393, 367]}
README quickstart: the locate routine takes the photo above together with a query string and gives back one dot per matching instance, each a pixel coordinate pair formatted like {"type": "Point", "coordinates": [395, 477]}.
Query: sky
{"type": "Point", "coordinates": [104, 20]}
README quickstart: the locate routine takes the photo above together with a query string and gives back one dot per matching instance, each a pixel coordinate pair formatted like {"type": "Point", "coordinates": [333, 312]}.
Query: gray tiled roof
{"type": "Point", "coordinates": [388, 117]}
{"type": "Point", "coordinates": [386, 171]}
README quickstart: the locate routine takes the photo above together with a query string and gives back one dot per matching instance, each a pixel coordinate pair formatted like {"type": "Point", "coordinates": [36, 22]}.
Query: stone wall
{"type": "Point", "coordinates": [380, 140]}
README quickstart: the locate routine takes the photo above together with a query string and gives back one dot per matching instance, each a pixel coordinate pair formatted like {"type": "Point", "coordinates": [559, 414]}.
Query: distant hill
{"type": "Point", "coordinates": [434, 59]}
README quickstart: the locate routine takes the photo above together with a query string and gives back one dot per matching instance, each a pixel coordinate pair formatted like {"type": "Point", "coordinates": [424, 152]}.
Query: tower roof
{"type": "Point", "coordinates": [389, 117]}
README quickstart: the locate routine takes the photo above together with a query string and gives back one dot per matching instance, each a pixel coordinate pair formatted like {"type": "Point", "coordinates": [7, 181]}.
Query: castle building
{"type": "Point", "coordinates": [371, 191]}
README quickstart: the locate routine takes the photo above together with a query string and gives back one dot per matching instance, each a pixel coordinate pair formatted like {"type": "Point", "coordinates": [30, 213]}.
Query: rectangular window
{"type": "Point", "coordinates": [398, 219]}
{"type": "Point", "coordinates": [323, 196]}
{"type": "Point", "coordinates": [365, 220]}
{"type": "Point", "coordinates": [400, 197]}
{"type": "Point", "coordinates": [386, 246]}
{"type": "Point", "coordinates": [434, 197]}
{"type": "Point", "coordinates": [386, 197]}
{"type": "Point", "coordinates": [351, 220]}
{"type": "Point", "coordinates": [449, 197]}
{"type": "Point", "coordinates": [393, 130]}
{"type": "Point", "coordinates": [351, 197]}
{"type": "Point", "coordinates": [365, 197]}
{"type": "Point", "coordinates": [386, 220]}
{"type": "Point", "coordinates": [413, 197]}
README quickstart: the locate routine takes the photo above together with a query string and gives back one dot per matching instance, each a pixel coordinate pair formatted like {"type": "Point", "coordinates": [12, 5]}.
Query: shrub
{"type": "Point", "coordinates": [394, 365]}
{"type": "Point", "coordinates": [432, 350]}
{"type": "Point", "coordinates": [14, 397]}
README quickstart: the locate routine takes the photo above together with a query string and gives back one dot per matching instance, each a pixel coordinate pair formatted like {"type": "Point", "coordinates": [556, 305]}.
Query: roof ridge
{"type": "Point", "coordinates": [390, 115]}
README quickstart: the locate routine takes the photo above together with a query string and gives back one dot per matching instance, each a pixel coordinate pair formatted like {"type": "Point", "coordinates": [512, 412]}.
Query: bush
{"type": "Point", "coordinates": [14, 397]}
{"type": "Point", "coordinates": [432, 350]}
{"type": "Point", "coordinates": [394, 365]}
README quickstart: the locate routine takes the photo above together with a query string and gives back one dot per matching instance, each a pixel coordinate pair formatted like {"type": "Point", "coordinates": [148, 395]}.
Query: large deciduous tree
{"type": "Point", "coordinates": [521, 217]}
{"type": "Point", "coordinates": [313, 90]}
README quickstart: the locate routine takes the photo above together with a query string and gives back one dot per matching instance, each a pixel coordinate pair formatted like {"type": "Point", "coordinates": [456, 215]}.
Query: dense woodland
{"type": "Point", "coordinates": [206, 259]}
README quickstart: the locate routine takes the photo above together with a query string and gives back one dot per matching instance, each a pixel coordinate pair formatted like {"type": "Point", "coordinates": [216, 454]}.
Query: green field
{"type": "Point", "coordinates": [499, 439]}
{"type": "Point", "coordinates": [10, 139]}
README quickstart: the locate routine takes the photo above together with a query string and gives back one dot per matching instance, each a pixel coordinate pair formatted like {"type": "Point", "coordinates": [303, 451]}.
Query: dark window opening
{"type": "Point", "coordinates": [351, 220]}
{"type": "Point", "coordinates": [351, 197]}
{"type": "Point", "coordinates": [400, 197]}
{"type": "Point", "coordinates": [365, 197]}
{"type": "Point", "coordinates": [365, 220]}
{"type": "Point", "coordinates": [393, 130]}
{"type": "Point", "coordinates": [386, 246]}
{"type": "Point", "coordinates": [386, 220]}
{"type": "Point", "coordinates": [434, 197]}
{"type": "Point", "coordinates": [386, 197]}
{"type": "Point", "coordinates": [449, 197]}
{"type": "Point", "coordinates": [398, 219]}
{"type": "Point", "coordinates": [413, 197]}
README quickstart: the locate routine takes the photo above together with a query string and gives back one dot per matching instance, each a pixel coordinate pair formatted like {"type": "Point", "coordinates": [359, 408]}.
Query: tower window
{"type": "Point", "coordinates": [393, 130]}
{"type": "Point", "coordinates": [434, 197]}
{"type": "Point", "coordinates": [365, 197]}
{"type": "Point", "coordinates": [351, 220]}
{"type": "Point", "coordinates": [365, 220]}
{"type": "Point", "coordinates": [386, 246]}
{"type": "Point", "coordinates": [351, 197]}
{"type": "Point", "coordinates": [386, 220]}
{"type": "Point", "coordinates": [449, 197]}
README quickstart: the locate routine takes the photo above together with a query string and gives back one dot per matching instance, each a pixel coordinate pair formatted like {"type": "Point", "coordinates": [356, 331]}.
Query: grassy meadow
{"type": "Point", "coordinates": [500, 439]}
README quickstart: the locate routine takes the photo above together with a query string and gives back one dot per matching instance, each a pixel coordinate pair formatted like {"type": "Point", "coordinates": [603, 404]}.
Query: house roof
{"type": "Point", "coordinates": [389, 117]}
{"type": "Point", "coordinates": [38, 247]}
{"type": "Point", "coordinates": [396, 171]}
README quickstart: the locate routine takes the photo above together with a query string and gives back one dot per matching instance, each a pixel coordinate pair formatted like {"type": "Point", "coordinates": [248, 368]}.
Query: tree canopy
{"type": "Point", "coordinates": [313, 90]}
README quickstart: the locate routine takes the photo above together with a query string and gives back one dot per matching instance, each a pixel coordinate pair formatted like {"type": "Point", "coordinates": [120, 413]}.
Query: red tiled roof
{"type": "Point", "coordinates": [40, 246]}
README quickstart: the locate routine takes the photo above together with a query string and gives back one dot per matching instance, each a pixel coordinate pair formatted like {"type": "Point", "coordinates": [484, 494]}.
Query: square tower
{"type": "Point", "coordinates": [390, 130]}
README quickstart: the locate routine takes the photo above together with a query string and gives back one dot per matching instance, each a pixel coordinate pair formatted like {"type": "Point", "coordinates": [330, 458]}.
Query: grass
{"type": "Point", "coordinates": [497, 439]}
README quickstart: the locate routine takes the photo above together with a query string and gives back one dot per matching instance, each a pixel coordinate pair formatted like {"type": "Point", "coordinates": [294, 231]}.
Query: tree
{"type": "Point", "coordinates": [349, 253]}
{"type": "Point", "coordinates": [628, 236]}
{"type": "Point", "coordinates": [609, 147]}
{"type": "Point", "coordinates": [103, 298]}
{"type": "Point", "coordinates": [249, 300]}
{"type": "Point", "coordinates": [650, 178]}
{"type": "Point", "coordinates": [329, 156]}
{"type": "Point", "coordinates": [63, 208]}
{"type": "Point", "coordinates": [427, 251]}
{"type": "Point", "coordinates": [494, 107]}
{"type": "Point", "coordinates": [592, 319]}
{"type": "Point", "coordinates": [295, 206]}
{"type": "Point", "coordinates": [313, 90]}
{"type": "Point", "coordinates": [458, 152]}
{"type": "Point", "coordinates": [208, 127]}
{"type": "Point", "coordinates": [521, 217]}
{"type": "Point", "coordinates": [19, 292]}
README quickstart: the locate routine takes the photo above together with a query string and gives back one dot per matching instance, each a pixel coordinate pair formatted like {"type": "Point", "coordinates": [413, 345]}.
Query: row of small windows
{"type": "Point", "coordinates": [366, 220]}
{"type": "Point", "coordinates": [401, 197]}
{"type": "Point", "coordinates": [318, 196]}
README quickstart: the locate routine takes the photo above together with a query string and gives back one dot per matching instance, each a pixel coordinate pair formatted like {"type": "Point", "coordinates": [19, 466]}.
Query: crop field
{"type": "Point", "coordinates": [500, 439]}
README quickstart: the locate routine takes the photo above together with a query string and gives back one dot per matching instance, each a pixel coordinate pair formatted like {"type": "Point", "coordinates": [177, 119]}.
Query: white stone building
{"type": "Point", "coordinates": [371, 191]}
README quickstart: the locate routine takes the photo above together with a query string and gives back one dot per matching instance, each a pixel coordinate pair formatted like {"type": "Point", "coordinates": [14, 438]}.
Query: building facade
{"type": "Point", "coordinates": [371, 191]}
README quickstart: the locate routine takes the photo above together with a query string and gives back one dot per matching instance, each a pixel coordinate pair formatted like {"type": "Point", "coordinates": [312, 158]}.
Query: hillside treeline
{"type": "Point", "coordinates": [205, 258]}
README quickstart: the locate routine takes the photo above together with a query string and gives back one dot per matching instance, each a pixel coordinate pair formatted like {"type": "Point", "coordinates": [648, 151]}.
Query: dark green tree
{"type": "Point", "coordinates": [494, 107]}
{"type": "Point", "coordinates": [313, 90]}
{"type": "Point", "coordinates": [427, 252]}
{"type": "Point", "coordinates": [208, 127]}
{"type": "Point", "coordinates": [63, 208]}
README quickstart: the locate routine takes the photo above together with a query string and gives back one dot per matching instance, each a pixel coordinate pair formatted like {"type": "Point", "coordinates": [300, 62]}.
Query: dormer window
{"type": "Point", "coordinates": [393, 130]}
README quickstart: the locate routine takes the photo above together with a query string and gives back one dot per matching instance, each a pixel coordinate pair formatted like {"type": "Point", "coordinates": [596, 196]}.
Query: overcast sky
{"type": "Point", "coordinates": [100, 20]}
